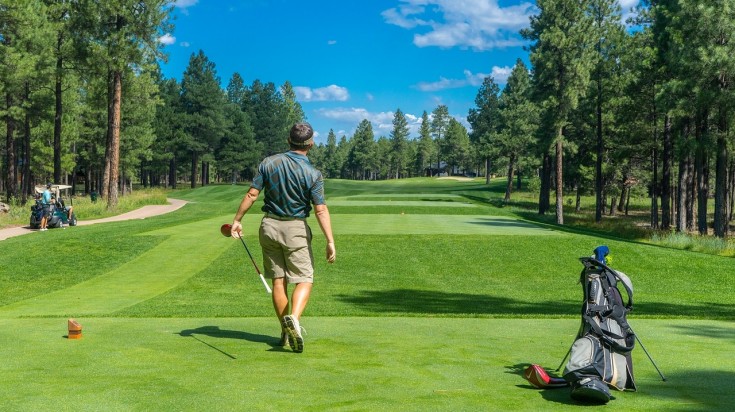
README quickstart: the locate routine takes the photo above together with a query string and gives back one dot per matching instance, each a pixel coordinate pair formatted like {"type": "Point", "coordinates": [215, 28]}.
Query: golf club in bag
{"type": "Point", "coordinates": [601, 354]}
{"type": "Point", "coordinates": [226, 230]}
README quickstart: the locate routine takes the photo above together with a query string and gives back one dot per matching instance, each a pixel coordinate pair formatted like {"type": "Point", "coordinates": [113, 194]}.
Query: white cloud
{"type": "Point", "coordinates": [184, 44]}
{"type": "Point", "coordinates": [382, 122]}
{"type": "Point", "coordinates": [476, 24]}
{"type": "Point", "coordinates": [499, 75]}
{"type": "Point", "coordinates": [627, 6]}
{"type": "Point", "coordinates": [182, 4]}
{"type": "Point", "coordinates": [332, 42]}
{"type": "Point", "coordinates": [167, 39]}
{"type": "Point", "coordinates": [322, 94]}
{"type": "Point", "coordinates": [356, 115]}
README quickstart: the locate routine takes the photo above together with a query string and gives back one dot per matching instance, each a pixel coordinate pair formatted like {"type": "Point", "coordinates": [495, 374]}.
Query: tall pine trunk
{"type": "Point", "coordinates": [559, 180]}
{"type": "Point", "coordinates": [681, 196]}
{"type": "Point", "coordinates": [11, 185]}
{"type": "Point", "coordinates": [701, 161]}
{"type": "Point", "coordinates": [194, 172]}
{"type": "Point", "coordinates": [666, 175]}
{"type": "Point", "coordinates": [721, 223]}
{"type": "Point", "coordinates": [600, 150]}
{"type": "Point", "coordinates": [114, 162]}
{"type": "Point", "coordinates": [509, 184]}
{"type": "Point", "coordinates": [58, 93]}
{"type": "Point", "coordinates": [487, 170]}
{"type": "Point", "coordinates": [27, 185]}
{"type": "Point", "coordinates": [104, 187]}
{"type": "Point", "coordinates": [545, 192]}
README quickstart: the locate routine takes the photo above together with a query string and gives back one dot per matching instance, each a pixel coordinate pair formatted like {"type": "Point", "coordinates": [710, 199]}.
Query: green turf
{"type": "Point", "coordinates": [429, 306]}
{"type": "Point", "coordinates": [349, 364]}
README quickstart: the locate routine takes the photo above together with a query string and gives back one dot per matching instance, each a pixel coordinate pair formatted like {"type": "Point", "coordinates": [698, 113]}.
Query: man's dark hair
{"type": "Point", "coordinates": [301, 136]}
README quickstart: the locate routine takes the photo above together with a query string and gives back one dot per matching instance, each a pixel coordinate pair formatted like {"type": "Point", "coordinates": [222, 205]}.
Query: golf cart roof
{"type": "Point", "coordinates": [54, 187]}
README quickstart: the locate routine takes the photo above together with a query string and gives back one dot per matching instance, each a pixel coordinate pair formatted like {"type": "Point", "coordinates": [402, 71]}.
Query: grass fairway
{"type": "Point", "coordinates": [437, 302]}
{"type": "Point", "coordinates": [351, 364]}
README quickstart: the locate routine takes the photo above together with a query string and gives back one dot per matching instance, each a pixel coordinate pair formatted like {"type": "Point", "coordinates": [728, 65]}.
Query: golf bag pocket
{"type": "Point", "coordinates": [590, 358]}
{"type": "Point", "coordinates": [588, 366]}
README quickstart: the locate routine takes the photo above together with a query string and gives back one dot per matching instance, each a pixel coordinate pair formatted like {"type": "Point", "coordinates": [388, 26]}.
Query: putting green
{"type": "Point", "coordinates": [385, 224]}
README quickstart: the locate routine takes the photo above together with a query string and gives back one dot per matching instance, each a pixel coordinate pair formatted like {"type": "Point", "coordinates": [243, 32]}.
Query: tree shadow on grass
{"type": "Point", "coordinates": [418, 302]}
{"type": "Point", "coordinates": [505, 223]}
{"type": "Point", "coordinates": [717, 332]}
{"type": "Point", "coordinates": [694, 390]}
{"type": "Point", "coordinates": [702, 310]}
{"type": "Point", "coordinates": [414, 301]}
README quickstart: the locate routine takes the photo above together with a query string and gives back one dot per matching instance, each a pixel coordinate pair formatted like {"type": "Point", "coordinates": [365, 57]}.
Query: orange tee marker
{"type": "Point", "coordinates": [75, 329]}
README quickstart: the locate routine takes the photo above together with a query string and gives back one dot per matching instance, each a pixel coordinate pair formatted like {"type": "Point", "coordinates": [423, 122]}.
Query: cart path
{"type": "Point", "coordinates": [142, 213]}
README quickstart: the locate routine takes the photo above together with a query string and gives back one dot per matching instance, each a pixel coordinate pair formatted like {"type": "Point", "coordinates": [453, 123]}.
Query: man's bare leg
{"type": "Point", "coordinates": [300, 298]}
{"type": "Point", "coordinates": [280, 304]}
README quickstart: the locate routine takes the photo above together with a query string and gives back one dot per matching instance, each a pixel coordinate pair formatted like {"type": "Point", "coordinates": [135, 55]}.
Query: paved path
{"type": "Point", "coordinates": [142, 213]}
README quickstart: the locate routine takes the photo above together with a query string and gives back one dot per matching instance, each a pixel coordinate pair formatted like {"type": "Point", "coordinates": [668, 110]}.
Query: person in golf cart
{"type": "Point", "coordinates": [62, 205]}
{"type": "Point", "coordinates": [291, 185]}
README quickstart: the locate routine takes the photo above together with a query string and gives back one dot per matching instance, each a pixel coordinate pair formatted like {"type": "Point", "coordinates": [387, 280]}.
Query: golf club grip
{"type": "Point", "coordinates": [268, 288]}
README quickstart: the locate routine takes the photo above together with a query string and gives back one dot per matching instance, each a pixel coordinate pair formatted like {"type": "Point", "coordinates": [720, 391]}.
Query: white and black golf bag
{"type": "Point", "coordinates": [601, 354]}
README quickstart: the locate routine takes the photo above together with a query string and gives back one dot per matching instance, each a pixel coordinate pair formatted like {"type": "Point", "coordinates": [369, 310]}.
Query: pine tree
{"type": "Point", "coordinates": [485, 122]}
{"type": "Point", "coordinates": [562, 57]}
{"type": "Point", "coordinates": [518, 116]}
{"type": "Point", "coordinates": [399, 141]}
{"type": "Point", "coordinates": [203, 101]}
{"type": "Point", "coordinates": [426, 148]}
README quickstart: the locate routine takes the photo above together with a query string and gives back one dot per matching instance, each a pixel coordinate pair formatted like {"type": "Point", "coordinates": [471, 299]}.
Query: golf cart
{"type": "Point", "coordinates": [60, 214]}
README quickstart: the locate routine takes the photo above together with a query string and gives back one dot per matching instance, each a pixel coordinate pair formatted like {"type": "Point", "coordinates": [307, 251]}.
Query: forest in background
{"type": "Point", "coordinates": [604, 108]}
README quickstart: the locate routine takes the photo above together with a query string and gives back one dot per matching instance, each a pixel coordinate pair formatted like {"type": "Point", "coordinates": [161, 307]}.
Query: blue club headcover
{"type": "Point", "coordinates": [600, 253]}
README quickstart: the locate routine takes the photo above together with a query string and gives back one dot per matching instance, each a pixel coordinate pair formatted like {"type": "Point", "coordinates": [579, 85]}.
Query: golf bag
{"type": "Point", "coordinates": [601, 354]}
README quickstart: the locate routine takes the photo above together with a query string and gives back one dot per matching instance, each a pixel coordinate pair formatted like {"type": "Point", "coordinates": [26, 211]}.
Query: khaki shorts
{"type": "Point", "coordinates": [287, 251]}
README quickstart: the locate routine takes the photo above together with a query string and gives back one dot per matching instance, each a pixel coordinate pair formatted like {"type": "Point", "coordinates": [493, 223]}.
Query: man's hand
{"type": "Point", "coordinates": [236, 230]}
{"type": "Point", "coordinates": [331, 253]}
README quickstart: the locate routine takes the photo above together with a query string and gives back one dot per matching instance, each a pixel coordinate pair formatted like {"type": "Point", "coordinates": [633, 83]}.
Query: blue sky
{"type": "Point", "coordinates": [350, 60]}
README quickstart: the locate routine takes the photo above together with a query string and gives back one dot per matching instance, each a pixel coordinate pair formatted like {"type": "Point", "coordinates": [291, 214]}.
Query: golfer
{"type": "Point", "coordinates": [46, 203]}
{"type": "Point", "coordinates": [291, 186]}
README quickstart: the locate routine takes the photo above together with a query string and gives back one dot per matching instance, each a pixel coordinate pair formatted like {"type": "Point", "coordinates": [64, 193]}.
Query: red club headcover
{"type": "Point", "coordinates": [540, 379]}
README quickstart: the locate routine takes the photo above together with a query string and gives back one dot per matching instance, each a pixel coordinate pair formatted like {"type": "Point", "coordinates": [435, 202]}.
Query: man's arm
{"type": "Point", "coordinates": [247, 201]}
{"type": "Point", "coordinates": [325, 222]}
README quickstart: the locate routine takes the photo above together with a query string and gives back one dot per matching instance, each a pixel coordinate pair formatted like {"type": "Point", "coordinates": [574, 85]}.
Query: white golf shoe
{"type": "Point", "coordinates": [293, 328]}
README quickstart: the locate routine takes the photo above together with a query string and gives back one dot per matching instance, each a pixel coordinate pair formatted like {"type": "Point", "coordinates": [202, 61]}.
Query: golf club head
{"type": "Point", "coordinates": [226, 230]}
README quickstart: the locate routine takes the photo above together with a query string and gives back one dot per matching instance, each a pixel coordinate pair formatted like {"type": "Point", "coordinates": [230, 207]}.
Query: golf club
{"type": "Point", "coordinates": [226, 230]}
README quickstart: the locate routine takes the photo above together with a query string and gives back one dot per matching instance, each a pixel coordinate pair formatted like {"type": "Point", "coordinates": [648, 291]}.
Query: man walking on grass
{"type": "Point", "coordinates": [291, 186]}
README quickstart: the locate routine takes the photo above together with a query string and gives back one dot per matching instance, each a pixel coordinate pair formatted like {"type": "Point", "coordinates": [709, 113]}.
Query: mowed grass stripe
{"type": "Point", "coordinates": [188, 249]}
{"type": "Point", "coordinates": [399, 203]}
{"type": "Point", "coordinates": [403, 224]}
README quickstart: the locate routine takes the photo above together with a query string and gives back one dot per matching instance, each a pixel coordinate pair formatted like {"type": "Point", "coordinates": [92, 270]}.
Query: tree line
{"type": "Point", "coordinates": [604, 109]}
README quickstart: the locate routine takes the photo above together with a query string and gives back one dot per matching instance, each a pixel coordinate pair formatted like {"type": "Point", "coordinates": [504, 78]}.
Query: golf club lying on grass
{"type": "Point", "coordinates": [226, 230]}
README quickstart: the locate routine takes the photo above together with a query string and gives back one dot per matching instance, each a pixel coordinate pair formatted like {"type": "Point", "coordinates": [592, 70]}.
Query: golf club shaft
{"type": "Point", "coordinates": [663, 378]}
{"type": "Point", "coordinates": [268, 288]}
{"type": "Point", "coordinates": [565, 358]}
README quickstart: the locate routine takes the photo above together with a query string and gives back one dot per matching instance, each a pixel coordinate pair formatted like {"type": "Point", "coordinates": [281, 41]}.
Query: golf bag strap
{"type": "Point", "coordinates": [607, 336]}
{"type": "Point", "coordinates": [627, 284]}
